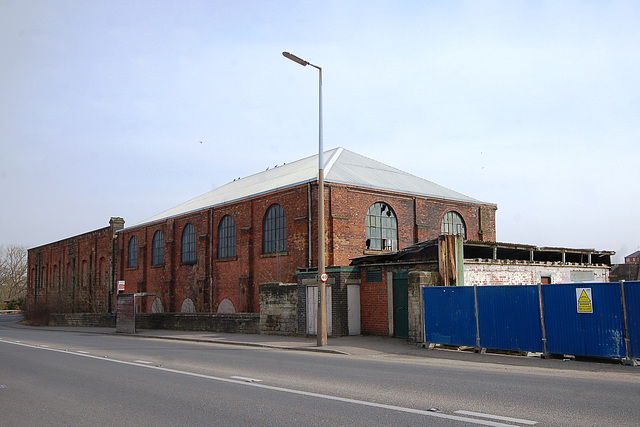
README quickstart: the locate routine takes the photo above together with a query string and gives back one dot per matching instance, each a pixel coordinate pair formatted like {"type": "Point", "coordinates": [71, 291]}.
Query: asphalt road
{"type": "Point", "coordinates": [60, 378]}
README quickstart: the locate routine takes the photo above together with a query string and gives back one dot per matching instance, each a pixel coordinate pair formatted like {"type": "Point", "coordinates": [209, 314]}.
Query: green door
{"type": "Point", "coordinates": [401, 305]}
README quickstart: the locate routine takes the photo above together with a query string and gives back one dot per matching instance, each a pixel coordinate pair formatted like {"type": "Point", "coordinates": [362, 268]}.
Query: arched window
{"type": "Point", "coordinates": [275, 231]}
{"type": "Point", "coordinates": [382, 228]}
{"type": "Point", "coordinates": [453, 224]}
{"type": "Point", "coordinates": [189, 244]}
{"type": "Point", "coordinates": [157, 252]}
{"type": "Point", "coordinates": [227, 238]}
{"type": "Point", "coordinates": [132, 261]}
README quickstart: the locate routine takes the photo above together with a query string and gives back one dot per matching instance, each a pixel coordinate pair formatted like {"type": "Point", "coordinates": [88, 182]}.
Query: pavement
{"type": "Point", "coordinates": [356, 346]}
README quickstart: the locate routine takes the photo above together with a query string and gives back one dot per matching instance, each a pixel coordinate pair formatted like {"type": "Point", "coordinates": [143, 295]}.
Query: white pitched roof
{"type": "Point", "coordinates": [341, 166]}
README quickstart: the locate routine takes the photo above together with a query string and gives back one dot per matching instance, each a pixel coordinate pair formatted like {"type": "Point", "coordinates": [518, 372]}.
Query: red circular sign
{"type": "Point", "coordinates": [324, 277]}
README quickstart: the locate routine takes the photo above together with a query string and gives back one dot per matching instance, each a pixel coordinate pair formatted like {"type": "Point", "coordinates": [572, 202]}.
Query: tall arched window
{"type": "Point", "coordinates": [157, 252]}
{"type": "Point", "coordinates": [227, 238]}
{"type": "Point", "coordinates": [189, 244]}
{"type": "Point", "coordinates": [453, 224]}
{"type": "Point", "coordinates": [275, 231]}
{"type": "Point", "coordinates": [132, 260]}
{"type": "Point", "coordinates": [382, 228]}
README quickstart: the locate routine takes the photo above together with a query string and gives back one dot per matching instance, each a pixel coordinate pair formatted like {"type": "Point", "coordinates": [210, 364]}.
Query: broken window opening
{"type": "Point", "coordinates": [453, 224]}
{"type": "Point", "coordinates": [381, 228]}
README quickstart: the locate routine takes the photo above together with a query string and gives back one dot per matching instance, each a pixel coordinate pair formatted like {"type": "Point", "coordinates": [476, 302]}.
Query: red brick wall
{"type": "Point", "coordinates": [75, 274]}
{"type": "Point", "coordinates": [235, 279]}
{"type": "Point", "coordinates": [374, 306]}
{"type": "Point", "coordinates": [210, 280]}
{"type": "Point", "coordinates": [418, 219]}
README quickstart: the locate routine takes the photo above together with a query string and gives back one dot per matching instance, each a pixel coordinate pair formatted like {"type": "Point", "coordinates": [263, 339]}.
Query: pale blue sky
{"type": "Point", "coordinates": [533, 106]}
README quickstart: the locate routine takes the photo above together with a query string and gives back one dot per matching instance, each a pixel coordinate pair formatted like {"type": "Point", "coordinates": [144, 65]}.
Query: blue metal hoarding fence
{"type": "Point", "coordinates": [509, 318]}
{"type": "Point", "coordinates": [582, 319]}
{"type": "Point", "coordinates": [598, 333]}
{"type": "Point", "coordinates": [632, 305]}
{"type": "Point", "coordinates": [449, 315]}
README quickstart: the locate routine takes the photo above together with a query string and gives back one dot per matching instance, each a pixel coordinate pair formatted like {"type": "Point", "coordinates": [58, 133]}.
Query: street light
{"type": "Point", "coordinates": [321, 324]}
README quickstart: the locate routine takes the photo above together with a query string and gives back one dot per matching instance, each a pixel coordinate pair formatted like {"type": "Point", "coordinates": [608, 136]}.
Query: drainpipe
{"type": "Point", "coordinates": [211, 261]}
{"type": "Point", "coordinates": [310, 261]}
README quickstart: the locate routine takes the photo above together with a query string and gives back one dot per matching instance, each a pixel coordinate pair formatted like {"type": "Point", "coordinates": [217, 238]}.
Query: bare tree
{"type": "Point", "coordinates": [13, 271]}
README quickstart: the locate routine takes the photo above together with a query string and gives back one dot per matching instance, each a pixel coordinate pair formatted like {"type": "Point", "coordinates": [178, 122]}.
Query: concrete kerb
{"type": "Point", "coordinates": [359, 346]}
{"type": "Point", "coordinates": [182, 336]}
{"type": "Point", "coordinates": [242, 343]}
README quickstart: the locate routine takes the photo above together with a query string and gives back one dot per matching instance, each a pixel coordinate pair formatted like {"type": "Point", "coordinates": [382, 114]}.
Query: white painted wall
{"type": "Point", "coordinates": [507, 272]}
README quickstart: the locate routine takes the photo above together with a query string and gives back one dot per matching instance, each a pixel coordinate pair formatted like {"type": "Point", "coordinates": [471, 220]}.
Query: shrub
{"type": "Point", "coordinates": [16, 304]}
{"type": "Point", "coordinates": [37, 314]}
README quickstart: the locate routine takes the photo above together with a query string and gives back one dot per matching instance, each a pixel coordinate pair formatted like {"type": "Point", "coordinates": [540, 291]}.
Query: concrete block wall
{"type": "Point", "coordinates": [279, 308]}
{"type": "Point", "coordinates": [418, 279]}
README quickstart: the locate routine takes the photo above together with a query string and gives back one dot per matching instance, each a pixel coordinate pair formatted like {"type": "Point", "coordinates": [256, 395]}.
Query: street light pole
{"type": "Point", "coordinates": [321, 324]}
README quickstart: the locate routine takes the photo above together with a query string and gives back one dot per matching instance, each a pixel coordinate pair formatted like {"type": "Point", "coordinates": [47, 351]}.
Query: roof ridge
{"type": "Point", "coordinates": [342, 166]}
{"type": "Point", "coordinates": [333, 159]}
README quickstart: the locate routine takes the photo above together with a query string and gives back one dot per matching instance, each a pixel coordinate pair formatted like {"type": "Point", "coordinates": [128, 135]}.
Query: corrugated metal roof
{"type": "Point", "coordinates": [341, 167]}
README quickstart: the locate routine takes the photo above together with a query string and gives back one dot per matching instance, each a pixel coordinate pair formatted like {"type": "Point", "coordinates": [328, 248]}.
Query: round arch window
{"type": "Point", "coordinates": [453, 224]}
{"type": "Point", "coordinates": [382, 228]}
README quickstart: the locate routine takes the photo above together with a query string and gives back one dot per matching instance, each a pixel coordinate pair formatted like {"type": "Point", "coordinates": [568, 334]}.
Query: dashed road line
{"type": "Point", "coordinates": [497, 417]}
{"type": "Point", "coordinates": [280, 389]}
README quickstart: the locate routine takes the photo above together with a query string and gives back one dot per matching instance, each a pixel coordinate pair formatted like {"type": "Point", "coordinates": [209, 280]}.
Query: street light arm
{"type": "Point", "coordinates": [295, 59]}
{"type": "Point", "coordinates": [299, 60]}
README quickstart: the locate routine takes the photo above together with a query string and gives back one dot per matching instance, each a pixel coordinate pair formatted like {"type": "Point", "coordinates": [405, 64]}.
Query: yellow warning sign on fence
{"type": "Point", "coordinates": [584, 300]}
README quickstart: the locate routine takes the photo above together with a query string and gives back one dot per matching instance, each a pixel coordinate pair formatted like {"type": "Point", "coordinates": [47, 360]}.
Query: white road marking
{"type": "Point", "coordinates": [275, 388]}
{"type": "Point", "coordinates": [143, 361]}
{"type": "Point", "coordinates": [245, 379]}
{"type": "Point", "coordinates": [83, 352]}
{"type": "Point", "coordinates": [497, 417]}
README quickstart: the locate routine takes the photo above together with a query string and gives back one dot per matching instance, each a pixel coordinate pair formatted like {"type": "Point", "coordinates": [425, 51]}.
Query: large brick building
{"type": "Point", "coordinates": [211, 253]}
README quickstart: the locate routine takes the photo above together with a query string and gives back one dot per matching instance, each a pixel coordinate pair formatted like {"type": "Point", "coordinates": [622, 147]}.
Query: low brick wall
{"type": "Point", "coordinates": [233, 323]}
{"type": "Point", "coordinates": [95, 320]}
{"type": "Point", "coordinates": [237, 323]}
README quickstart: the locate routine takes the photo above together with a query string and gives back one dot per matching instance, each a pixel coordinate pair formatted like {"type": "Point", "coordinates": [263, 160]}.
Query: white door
{"type": "Point", "coordinates": [353, 309]}
{"type": "Point", "coordinates": [312, 309]}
